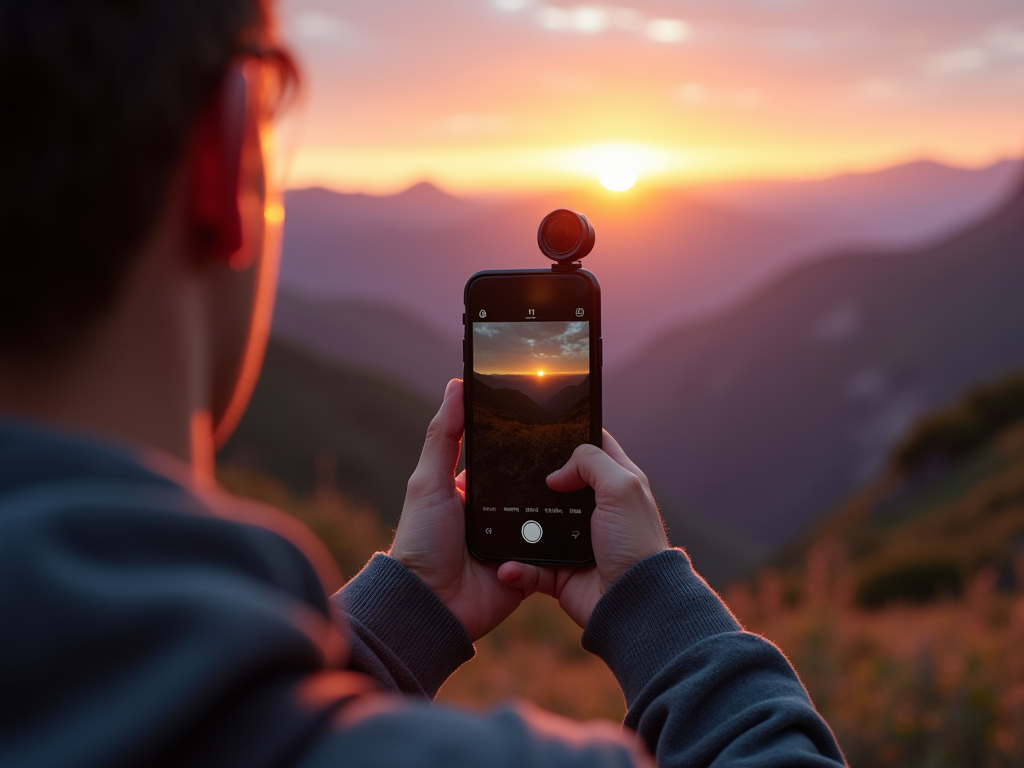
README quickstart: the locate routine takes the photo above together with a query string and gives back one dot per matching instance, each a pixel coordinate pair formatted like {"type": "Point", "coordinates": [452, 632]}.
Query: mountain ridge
{"type": "Point", "coordinates": [855, 346]}
{"type": "Point", "coordinates": [664, 256]}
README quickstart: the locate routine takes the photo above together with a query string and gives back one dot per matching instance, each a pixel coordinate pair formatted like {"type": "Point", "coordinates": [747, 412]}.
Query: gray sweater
{"type": "Point", "coordinates": [147, 623]}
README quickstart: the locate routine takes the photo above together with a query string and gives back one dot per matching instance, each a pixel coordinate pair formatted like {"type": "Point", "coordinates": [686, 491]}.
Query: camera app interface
{"type": "Point", "coordinates": [530, 410]}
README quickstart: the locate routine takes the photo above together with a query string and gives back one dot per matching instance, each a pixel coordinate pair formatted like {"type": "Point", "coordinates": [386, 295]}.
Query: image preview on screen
{"type": "Point", "coordinates": [531, 409]}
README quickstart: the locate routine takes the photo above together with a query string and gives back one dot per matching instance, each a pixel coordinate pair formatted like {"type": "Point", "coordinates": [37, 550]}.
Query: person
{"type": "Point", "coordinates": [150, 619]}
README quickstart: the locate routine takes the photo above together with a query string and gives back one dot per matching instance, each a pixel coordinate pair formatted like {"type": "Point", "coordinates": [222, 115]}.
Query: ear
{"type": "Point", "coordinates": [215, 163]}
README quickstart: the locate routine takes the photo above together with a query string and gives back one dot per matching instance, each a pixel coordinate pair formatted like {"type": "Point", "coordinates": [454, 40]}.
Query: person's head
{"type": "Point", "coordinates": [116, 111]}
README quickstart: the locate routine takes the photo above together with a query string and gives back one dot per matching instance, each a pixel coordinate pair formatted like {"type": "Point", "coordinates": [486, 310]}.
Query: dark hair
{"type": "Point", "coordinates": [99, 97]}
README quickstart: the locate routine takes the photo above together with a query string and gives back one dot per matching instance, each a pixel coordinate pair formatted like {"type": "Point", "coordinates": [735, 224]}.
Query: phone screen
{"type": "Point", "coordinates": [531, 391]}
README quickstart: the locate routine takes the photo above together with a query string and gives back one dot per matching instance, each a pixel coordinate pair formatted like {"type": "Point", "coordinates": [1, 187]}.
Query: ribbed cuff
{"type": "Point", "coordinates": [410, 620]}
{"type": "Point", "coordinates": [651, 614]}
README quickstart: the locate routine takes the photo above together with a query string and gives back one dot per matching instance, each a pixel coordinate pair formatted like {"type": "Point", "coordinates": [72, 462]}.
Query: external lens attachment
{"type": "Point", "coordinates": [565, 236]}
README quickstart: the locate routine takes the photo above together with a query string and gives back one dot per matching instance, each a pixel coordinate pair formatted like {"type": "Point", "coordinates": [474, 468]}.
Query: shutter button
{"type": "Point", "coordinates": [532, 531]}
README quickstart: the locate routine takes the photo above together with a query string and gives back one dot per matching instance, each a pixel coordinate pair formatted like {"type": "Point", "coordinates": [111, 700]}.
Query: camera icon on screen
{"type": "Point", "coordinates": [580, 312]}
{"type": "Point", "coordinates": [483, 313]}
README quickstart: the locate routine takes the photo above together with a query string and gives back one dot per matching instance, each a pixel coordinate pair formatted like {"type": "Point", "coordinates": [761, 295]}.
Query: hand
{"type": "Point", "coordinates": [626, 527]}
{"type": "Point", "coordinates": [431, 536]}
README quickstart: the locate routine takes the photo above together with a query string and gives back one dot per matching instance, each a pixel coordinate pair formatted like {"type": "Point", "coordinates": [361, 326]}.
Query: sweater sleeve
{"type": "Point", "coordinates": [699, 690]}
{"type": "Point", "coordinates": [401, 634]}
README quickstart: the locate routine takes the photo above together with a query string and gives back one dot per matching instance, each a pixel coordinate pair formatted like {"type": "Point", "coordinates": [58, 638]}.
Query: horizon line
{"type": "Point", "coordinates": [658, 184]}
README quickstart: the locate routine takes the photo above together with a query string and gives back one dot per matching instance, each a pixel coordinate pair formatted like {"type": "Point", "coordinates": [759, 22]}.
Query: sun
{"type": "Point", "coordinates": [540, 373]}
{"type": "Point", "coordinates": [618, 175]}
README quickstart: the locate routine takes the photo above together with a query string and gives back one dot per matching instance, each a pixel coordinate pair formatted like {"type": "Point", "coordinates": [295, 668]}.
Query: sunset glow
{"type": "Point", "coordinates": [540, 373]}
{"type": "Point", "coordinates": [505, 95]}
{"type": "Point", "coordinates": [618, 178]}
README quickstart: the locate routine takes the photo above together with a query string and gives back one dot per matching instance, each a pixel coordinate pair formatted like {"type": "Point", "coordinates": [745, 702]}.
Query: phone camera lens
{"type": "Point", "coordinates": [562, 232]}
{"type": "Point", "coordinates": [565, 236]}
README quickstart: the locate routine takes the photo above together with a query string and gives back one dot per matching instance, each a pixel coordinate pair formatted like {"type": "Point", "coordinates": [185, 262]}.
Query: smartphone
{"type": "Point", "coordinates": [533, 362]}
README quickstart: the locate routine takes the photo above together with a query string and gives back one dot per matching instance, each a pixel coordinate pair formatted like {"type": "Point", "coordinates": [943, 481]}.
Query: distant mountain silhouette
{"type": "Point", "coordinates": [766, 416]}
{"type": "Point", "coordinates": [421, 207]}
{"type": "Point", "coordinates": [511, 403]}
{"type": "Point", "coordinates": [564, 400]}
{"type": "Point", "coordinates": [373, 337]}
{"type": "Point", "coordinates": [898, 206]}
{"type": "Point", "coordinates": [665, 256]}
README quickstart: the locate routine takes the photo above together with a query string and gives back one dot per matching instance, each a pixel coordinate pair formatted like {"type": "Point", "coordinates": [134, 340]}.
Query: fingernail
{"type": "Point", "coordinates": [448, 391]}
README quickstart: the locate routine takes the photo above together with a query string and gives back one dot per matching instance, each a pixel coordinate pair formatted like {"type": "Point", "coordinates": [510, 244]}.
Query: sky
{"type": "Point", "coordinates": [529, 348]}
{"type": "Point", "coordinates": [517, 95]}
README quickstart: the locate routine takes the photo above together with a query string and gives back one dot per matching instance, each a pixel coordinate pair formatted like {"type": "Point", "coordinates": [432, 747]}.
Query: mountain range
{"type": "Point", "coordinates": [663, 256]}
{"type": "Point", "coordinates": [510, 403]}
{"type": "Point", "coordinates": [766, 416]}
{"type": "Point", "coordinates": [519, 401]}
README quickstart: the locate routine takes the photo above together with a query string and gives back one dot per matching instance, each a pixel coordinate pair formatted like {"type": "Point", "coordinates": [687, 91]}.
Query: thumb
{"type": "Point", "coordinates": [529, 578]}
{"type": "Point", "coordinates": [588, 465]}
{"type": "Point", "coordinates": [443, 444]}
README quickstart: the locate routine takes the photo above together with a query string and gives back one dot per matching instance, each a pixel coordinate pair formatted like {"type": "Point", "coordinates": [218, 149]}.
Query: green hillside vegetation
{"type": "Point", "coordinates": [950, 504]}
{"type": "Point", "coordinates": [954, 433]}
{"type": "Point", "coordinates": [313, 423]}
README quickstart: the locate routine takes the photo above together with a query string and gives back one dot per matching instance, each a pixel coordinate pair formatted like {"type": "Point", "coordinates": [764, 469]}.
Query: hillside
{"type": "Point", "coordinates": [767, 416]}
{"type": "Point", "coordinates": [565, 400]}
{"type": "Point", "coordinates": [941, 511]}
{"type": "Point", "coordinates": [510, 403]}
{"type": "Point", "coordinates": [370, 336]}
{"type": "Point", "coordinates": [313, 423]}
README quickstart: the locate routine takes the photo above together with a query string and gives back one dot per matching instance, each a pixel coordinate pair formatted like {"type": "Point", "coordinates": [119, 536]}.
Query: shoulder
{"type": "Point", "coordinates": [365, 733]}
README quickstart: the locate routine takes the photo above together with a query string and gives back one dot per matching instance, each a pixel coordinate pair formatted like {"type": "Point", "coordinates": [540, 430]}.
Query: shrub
{"type": "Point", "coordinates": [958, 431]}
{"type": "Point", "coordinates": [912, 582]}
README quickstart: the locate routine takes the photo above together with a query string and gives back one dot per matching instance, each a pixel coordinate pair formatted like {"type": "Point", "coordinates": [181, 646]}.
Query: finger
{"type": "Point", "coordinates": [588, 465]}
{"type": "Point", "coordinates": [529, 578]}
{"type": "Point", "coordinates": [460, 481]}
{"type": "Point", "coordinates": [443, 444]}
{"type": "Point", "coordinates": [613, 449]}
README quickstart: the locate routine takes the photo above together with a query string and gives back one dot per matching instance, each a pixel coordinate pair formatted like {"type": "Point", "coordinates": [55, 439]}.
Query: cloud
{"type": "Point", "coordinates": [512, 5]}
{"type": "Point", "coordinates": [511, 346]}
{"type": "Point", "coordinates": [1004, 44]}
{"type": "Point", "coordinates": [958, 62]}
{"type": "Point", "coordinates": [595, 19]}
{"type": "Point", "coordinates": [586, 19]}
{"type": "Point", "coordinates": [318, 26]}
{"type": "Point", "coordinates": [668, 30]}
{"type": "Point", "coordinates": [1007, 41]}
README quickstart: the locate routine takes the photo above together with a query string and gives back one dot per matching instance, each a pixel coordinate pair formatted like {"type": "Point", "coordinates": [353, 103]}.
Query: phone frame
{"type": "Point", "coordinates": [596, 400]}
